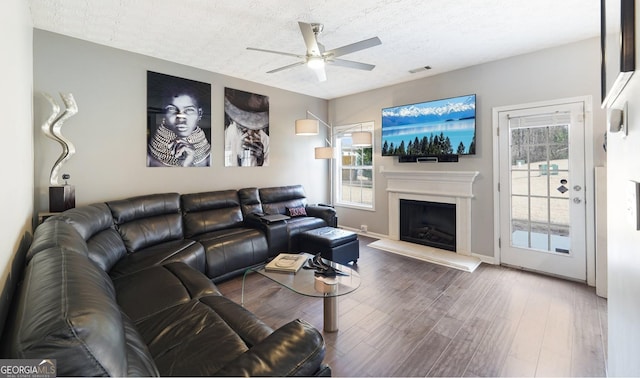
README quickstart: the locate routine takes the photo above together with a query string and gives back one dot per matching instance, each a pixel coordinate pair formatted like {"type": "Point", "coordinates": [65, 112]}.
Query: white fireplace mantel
{"type": "Point", "coordinates": [454, 187]}
{"type": "Point", "coordinates": [448, 183]}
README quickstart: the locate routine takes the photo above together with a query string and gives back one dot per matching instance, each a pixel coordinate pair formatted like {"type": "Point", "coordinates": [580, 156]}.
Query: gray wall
{"type": "Point", "coordinates": [16, 170]}
{"type": "Point", "coordinates": [562, 72]}
{"type": "Point", "coordinates": [623, 166]}
{"type": "Point", "coordinates": [567, 71]}
{"type": "Point", "coordinates": [109, 131]}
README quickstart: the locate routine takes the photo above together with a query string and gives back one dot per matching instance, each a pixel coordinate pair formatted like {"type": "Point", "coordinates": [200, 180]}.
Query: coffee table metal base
{"type": "Point", "coordinates": [331, 314]}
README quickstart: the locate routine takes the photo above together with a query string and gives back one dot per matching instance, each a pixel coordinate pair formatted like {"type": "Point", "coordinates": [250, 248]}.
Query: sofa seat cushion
{"type": "Point", "coordinates": [231, 251]}
{"type": "Point", "coordinates": [180, 315]}
{"type": "Point", "coordinates": [66, 310]}
{"type": "Point", "coordinates": [187, 251]}
{"type": "Point", "coordinates": [190, 339]}
{"type": "Point", "coordinates": [153, 290]}
{"type": "Point", "coordinates": [301, 224]}
{"type": "Point", "coordinates": [305, 352]}
{"type": "Point", "coordinates": [140, 361]}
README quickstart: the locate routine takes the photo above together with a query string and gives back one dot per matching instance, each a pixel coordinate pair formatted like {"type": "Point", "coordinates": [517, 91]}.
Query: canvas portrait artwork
{"type": "Point", "coordinates": [178, 122]}
{"type": "Point", "coordinates": [246, 129]}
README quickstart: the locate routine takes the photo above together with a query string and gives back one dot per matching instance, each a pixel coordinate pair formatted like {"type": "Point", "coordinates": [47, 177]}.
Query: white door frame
{"type": "Point", "coordinates": [589, 177]}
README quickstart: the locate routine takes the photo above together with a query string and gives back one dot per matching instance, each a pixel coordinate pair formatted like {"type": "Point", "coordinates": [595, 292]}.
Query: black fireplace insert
{"type": "Point", "coordinates": [428, 223]}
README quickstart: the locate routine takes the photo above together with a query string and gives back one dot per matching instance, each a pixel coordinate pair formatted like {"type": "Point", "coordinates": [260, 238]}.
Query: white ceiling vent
{"type": "Point", "coordinates": [420, 69]}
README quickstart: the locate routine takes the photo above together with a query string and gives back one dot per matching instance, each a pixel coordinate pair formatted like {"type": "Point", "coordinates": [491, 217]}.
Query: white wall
{"type": "Point", "coordinates": [623, 165]}
{"type": "Point", "coordinates": [109, 131]}
{"type": "Point", "coordinates": [16, 170]}
{"type": "Point", "coordinates": [562, 72]}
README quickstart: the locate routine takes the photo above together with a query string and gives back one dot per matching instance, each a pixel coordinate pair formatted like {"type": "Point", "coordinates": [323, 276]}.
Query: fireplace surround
{"type": "Point", "coordinates": [452, 187]}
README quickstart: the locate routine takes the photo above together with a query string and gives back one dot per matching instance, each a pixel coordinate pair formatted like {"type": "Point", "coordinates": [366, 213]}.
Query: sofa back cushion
{"type": "Point", "coordinates": [55, 234]}
{"type": "Point", "coordinates": [148, 220]}
{"type": "Point", "coordinates": [95, 225]}
{"type": "Point", "coordinates": [249, 201]}
{"type": "Point", "coordinates": [66, 310]}
{"type": "Point", "coordinates": [210, 211]}
{"type": "Point", "coordinates": [276, 200]}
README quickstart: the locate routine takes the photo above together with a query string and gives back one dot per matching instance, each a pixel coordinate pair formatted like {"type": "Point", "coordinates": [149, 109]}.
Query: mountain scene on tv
{"type": "Point", "coordinates": [440, 127]}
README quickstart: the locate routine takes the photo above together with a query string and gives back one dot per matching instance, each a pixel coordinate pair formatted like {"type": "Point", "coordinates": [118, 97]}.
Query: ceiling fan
{"type": "Point", "coordinates": [316, 56]}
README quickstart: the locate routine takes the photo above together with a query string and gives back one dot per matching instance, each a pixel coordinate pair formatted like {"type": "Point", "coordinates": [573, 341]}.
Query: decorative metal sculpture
{"type": "Point", "coordinates": [52, 129]}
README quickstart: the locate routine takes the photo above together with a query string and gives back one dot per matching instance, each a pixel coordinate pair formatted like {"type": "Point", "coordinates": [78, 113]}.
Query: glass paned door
{"type": "Point", "coordinates": [542, 210]}
{"type": "Point", "coordinates": [540, 165]}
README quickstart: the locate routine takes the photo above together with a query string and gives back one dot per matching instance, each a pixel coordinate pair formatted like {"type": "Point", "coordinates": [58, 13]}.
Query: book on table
{"type": "Point", "coordinates": [286, 262]}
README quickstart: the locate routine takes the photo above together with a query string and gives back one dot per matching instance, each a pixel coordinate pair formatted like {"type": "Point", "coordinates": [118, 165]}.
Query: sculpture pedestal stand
{"type": "Point", "coordinates": [61, 198]}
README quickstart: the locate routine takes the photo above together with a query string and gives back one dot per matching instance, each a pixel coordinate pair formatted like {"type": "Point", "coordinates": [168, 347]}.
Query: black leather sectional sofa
{"type": "Point", "coordinates": [127, 287]}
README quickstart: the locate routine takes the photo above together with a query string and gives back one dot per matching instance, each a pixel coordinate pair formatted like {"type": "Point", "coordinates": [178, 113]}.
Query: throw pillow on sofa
{"type": "Point", "coordinates": [296, 211]}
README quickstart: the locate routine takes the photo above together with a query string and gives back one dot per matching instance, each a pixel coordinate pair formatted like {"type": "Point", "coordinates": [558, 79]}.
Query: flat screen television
{"type": "Point", "coordinates": [433, 128]}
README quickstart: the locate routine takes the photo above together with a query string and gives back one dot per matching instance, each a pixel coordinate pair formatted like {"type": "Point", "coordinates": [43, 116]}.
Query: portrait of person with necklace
{"type": "Point", "coordinates": [179, 141]}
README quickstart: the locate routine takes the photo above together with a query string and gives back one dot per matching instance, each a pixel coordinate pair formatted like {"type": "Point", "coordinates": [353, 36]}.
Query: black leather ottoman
{"type": "Point", "coordinates": [332, 243]}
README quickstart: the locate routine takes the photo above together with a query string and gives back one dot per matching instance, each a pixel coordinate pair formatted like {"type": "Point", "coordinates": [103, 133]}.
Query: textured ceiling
{"type": "Point", "coordinates": [213, 34]}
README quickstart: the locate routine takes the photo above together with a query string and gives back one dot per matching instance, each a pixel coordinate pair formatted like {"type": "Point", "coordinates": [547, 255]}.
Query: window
{"type": "Point", "coordinates": [354, 168]}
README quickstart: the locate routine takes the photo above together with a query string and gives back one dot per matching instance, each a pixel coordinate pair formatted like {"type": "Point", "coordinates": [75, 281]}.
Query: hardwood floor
{"type": "Point", "coordinates": [413, 318]}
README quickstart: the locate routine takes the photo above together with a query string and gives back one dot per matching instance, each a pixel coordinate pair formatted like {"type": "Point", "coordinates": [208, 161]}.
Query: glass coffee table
{"type": "Point", "coordinates": [306, 282]}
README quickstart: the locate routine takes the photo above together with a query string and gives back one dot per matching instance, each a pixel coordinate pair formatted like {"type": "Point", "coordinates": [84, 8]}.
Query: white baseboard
{"type": "Point", "coordinates": [360, 232]}
{"type": "Point", "coordinates": [485, 259]}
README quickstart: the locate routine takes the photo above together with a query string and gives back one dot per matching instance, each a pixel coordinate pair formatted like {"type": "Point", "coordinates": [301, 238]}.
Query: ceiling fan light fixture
{"type": "Point", "coordinates": [316, 57]}
{"type": "Point", "coordinates": [315, 62]}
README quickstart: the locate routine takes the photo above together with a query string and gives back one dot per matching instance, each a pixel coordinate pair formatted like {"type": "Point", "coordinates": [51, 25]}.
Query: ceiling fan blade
{"type": "Point", "coordinates": [352, 64]}
{"type": "Point", "coordinates": [276, 52]}
{"type": "Point", "coordinates": [286, 67]}
{"type": "Point", "coordinates": [309, 39]}
{"type": "Point", "coordinates": [357, 46]}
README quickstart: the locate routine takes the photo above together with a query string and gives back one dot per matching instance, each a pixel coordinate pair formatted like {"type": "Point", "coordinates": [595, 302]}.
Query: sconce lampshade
{"type": "Point", "coordinates": [307, 127]}
{"type": "Point", "coordinates": [361, 139]}
{"type": "Point", "coordinates": [324, 152]}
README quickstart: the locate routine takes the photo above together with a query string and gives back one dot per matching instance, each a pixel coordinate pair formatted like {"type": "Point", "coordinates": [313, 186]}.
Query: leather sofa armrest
{"type": "Point", "coordinates": [253, 220]}
{"type": "Point", "coordinates": [276, 233]}
{"type": "Point", "coordinates": [326, 213]}
{"type": "Point", "coordinates": [295, 349]}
